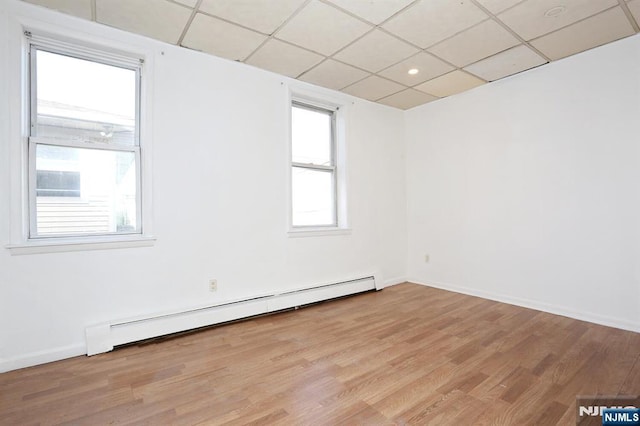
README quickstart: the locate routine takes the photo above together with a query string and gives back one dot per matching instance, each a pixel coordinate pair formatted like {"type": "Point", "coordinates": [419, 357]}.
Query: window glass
{"type": "Point", "coordinates": [84, 152]}
{"type": "Point", "coordinates": [313, 172]}
{"type": "Point", "coordinates": [57, 183]}
{"type": "Point", "coordinates": [311, 136]}
{"type": "Point", "coordinates": [81, 99]}
{"type": "Point", "coordinates": [313, 197]}
{"type": "Point", "coordinates": [103, 186]}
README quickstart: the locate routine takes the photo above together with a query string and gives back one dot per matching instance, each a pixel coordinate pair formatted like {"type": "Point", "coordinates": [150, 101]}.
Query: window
{"type": "Point", "coordinates": [57, 184]}
{"type": "Point", "coordinates": [84, 141]}
{"type": "Point", "coordinates": [313, 166]}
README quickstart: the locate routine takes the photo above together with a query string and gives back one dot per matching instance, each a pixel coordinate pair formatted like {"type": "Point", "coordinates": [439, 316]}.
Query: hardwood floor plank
{"type": "Point", "coordinates": [406, 355]}
{"type": "Point", "coordinates": [551, 413]}
{"type": "Point", "coordinates": [631, 384]}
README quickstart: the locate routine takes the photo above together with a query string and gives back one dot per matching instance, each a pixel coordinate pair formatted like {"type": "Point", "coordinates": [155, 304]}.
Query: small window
{"type": "Point", "coordinates": [84, 145]}
{"type": "Point", "coordinates": [57, 184]}
{"type": "Point", "coordinates": [313, 166]}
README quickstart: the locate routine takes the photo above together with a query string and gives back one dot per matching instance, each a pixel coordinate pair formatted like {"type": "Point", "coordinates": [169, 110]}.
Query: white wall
{"type": "Point", "coordinates": [527, 190]}
{"type": "Point", "coordinates": [219, 202]}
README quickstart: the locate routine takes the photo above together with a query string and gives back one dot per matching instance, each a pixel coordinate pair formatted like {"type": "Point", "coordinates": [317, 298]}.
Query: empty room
{"type": "Point", "coordinates": [320, 212]}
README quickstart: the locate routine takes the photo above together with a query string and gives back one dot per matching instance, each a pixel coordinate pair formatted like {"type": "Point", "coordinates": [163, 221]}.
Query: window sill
{"type": "Point", "coordinates": [77, 244]}
{"type": "Point", "coordinates": [317, 232]}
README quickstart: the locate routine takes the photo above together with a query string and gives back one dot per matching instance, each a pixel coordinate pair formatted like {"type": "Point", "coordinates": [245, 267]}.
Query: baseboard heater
{"type": "Point", "coordinates": [103, 337]}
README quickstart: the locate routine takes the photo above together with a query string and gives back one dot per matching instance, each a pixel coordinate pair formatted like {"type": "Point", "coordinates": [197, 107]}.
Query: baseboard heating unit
{"type": "Point", "coordinates": [103, 337]}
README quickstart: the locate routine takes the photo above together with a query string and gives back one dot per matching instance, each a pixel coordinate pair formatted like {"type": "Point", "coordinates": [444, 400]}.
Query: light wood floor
{"type": "Point", "coordinates": [406, 355]}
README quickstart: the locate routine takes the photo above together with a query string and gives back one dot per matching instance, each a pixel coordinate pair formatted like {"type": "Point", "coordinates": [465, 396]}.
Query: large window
{"type": "Point", "coordinates": [313, 166]}
{"type": "Point", "coordinates": [84, 144]}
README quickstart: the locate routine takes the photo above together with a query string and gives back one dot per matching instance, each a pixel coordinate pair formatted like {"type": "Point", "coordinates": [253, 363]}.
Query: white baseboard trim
{"type": "Point", "coordinates": [537, 305]}
{"type": "Point", "coordinates": [42, 357]}
{"type": "Point", "coordinates": [394, 281]}
{"type": "Point", "coordinates": [104, 337]}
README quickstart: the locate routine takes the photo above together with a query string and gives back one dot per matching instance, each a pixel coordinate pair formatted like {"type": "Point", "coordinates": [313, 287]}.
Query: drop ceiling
{"type": "Point", "coordinates": [367, 47]}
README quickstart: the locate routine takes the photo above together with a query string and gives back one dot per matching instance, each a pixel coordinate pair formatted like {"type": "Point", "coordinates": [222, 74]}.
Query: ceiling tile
{"type": "Point", "coordinates": [533, 18]}
{"type": "Point", "coordinates": [634, 7]}
{"type": "Point", "coordinates": [159, 19]}
{"type": "Point", "coordinates": [373, 88]}
{"type": "Point", "coordinates": [322, 28]}
{"type": "Point", "coordinates": [407, 99]}
{"type": "Point", "coordinates": [374, 11]}
{"type": "Point", "coordinates": [427, 65]}
{"type": "Point", "coordinates": [450, 84]}
{"type": "Point", "coordinates": [333, 74]}
{"type": "Point", "coordinates": [592, 32]}
{"type": "Point", "coordinates": [221, 38]}
{"type": "Point", "coordinates": [479, 42]}
{"type": "Point", "coordinates": [81, 8]}
{"type": "Point", "coordinates": [283, 58]}
{"type": "Point", "coordinates": [261, 15]}
{"type": "Point", "coordinates": [497, 6]}
{"type": "Point", "coordinates": [375, 51]}
{"type": "Point", "coordinates": [507, 63]}
{"type": "Point", "coordinates": [431, 21]}
{"type": "Point", "coordinates": [190, 3]}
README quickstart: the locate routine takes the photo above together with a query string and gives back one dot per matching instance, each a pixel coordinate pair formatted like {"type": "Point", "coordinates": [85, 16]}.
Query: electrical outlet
{"type": "Point", "coordinates": [426, 258]}
{"type": "Point", "coordinates": [213, 285]}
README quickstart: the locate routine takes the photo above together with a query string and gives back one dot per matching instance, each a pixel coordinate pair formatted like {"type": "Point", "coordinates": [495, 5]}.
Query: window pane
{"type": "Point", "coordinates": [311, 136]}
{"type": "Point", "coordinates": [57, 183]}
{"type": "Point", "coordinates": [85, 100]}
{"type": "Point", "coordinates": [312, 197]}
{"type": "Point", "coordinates": [104, 191]}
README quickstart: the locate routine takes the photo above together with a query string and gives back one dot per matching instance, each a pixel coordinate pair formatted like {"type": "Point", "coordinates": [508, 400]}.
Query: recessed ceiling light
{"type": "Point", "coordinates": [555, 11]}
{"type": "Point", "coordinates": [413, 71]}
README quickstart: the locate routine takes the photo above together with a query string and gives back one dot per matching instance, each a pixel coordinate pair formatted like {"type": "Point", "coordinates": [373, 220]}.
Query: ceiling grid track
{"type": "Point", "coordinates": [365, 48]}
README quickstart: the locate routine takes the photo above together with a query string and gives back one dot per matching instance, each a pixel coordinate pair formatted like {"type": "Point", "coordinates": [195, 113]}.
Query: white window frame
{"type": "Point", "coordinates": [23, 238]}
{"type": "Point", "coordinates": [331, 168]}
{"type": "Point", "coordinates": [338, 108]}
